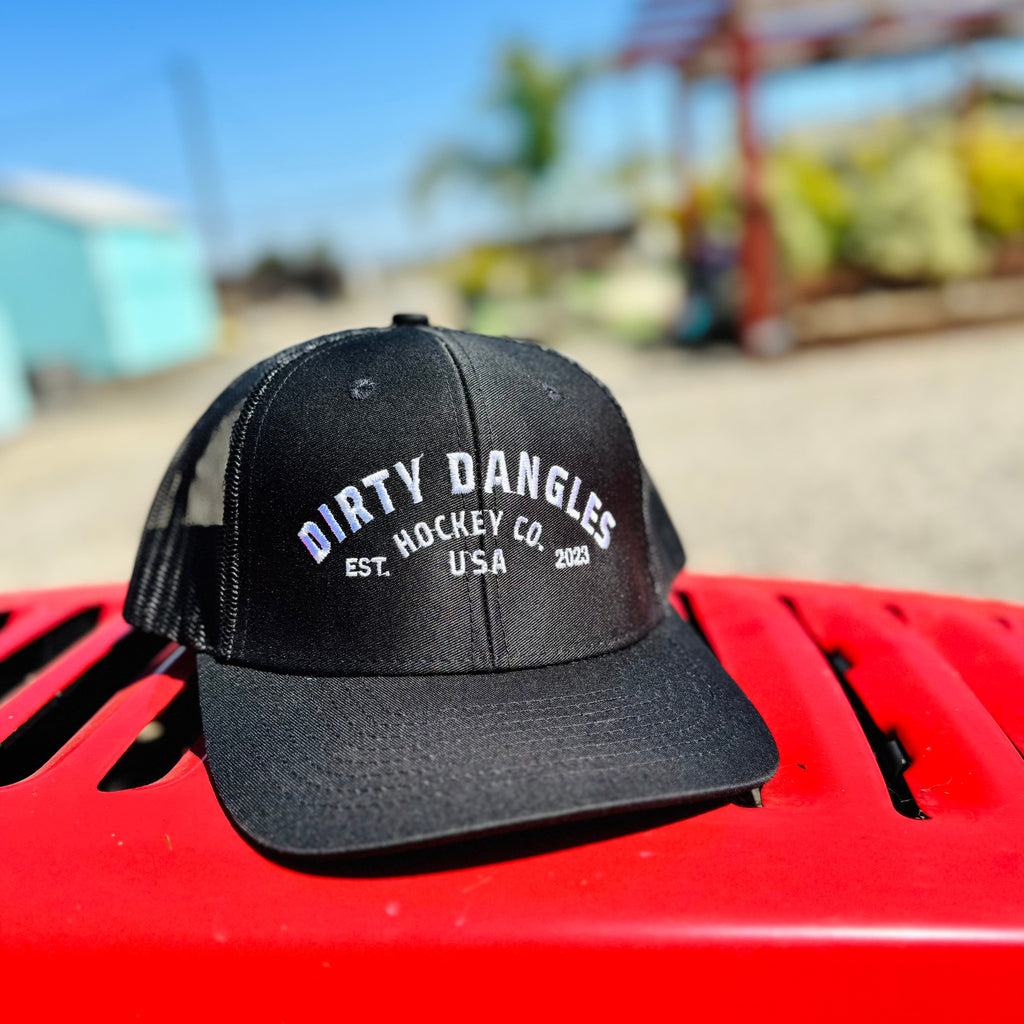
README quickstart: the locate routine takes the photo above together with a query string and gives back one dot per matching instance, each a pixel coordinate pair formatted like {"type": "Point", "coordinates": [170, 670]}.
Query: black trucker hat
{"type": "Point", "coordinates": [427, 576]}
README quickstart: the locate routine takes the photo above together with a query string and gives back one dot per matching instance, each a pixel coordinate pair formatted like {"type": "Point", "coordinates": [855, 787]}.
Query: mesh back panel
{"type": "Point", "coordinates": [176, 580]}
{"type": "Point", "coordinates": [175, 572]}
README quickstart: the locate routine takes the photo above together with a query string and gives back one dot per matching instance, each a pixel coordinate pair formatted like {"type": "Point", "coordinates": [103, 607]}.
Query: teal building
{"type": "Point", "coordinates": [100, 279]}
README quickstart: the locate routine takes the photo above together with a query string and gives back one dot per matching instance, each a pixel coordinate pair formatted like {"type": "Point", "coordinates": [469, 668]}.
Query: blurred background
{"type": "Point", "coordinates": [788, 234]}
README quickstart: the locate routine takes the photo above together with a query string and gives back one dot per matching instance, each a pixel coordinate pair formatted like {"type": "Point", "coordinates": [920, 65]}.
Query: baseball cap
{"type": "Point", "coordinates": [427, 576]}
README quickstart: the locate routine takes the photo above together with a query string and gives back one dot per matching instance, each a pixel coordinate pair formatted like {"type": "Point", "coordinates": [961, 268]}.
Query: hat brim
{"type": "Point", "coordinates": [314, 766]}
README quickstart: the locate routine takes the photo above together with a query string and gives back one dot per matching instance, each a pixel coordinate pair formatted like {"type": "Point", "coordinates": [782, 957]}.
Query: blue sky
{"type": "Point", "coordinates": [323, 112]}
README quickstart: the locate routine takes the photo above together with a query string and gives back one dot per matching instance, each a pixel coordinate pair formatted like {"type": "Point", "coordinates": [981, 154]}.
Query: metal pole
{"type": "Point", "coordinates": [200, 155]}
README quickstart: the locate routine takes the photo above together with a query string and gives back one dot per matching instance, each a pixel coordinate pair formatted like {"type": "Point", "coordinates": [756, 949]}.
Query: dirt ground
{"type": "Point", "coordinates": [896, 462]}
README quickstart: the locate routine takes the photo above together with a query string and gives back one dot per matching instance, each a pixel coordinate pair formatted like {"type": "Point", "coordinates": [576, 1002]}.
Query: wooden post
{"type": "Point", "coordinates": [762, 330]}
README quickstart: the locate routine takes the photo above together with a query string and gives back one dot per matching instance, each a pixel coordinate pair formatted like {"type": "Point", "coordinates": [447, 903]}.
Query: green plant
{"type": "Point", "coordinates": [532, 97]}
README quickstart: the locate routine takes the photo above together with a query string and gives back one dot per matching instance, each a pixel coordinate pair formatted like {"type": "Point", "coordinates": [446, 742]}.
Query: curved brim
{"type": "Point", "coordinates": [318, 766]}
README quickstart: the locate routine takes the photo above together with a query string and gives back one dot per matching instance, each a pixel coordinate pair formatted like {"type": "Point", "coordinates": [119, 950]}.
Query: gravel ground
{"type": "Point", "coordinates": [894, 462]}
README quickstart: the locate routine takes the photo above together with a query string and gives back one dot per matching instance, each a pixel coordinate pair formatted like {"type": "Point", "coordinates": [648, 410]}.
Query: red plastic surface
{"type": "Point", "coordinates": [825, 903]}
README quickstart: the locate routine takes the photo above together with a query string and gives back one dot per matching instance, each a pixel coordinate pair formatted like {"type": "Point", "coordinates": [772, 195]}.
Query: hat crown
{"type": "Point", "coordinates": [406, 500]}
{"type": "Point", "coordinates": [410, 501]}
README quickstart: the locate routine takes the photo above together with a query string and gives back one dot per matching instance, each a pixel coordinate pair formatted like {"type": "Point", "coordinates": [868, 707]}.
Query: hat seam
{"type": "Point", "coordinates": [242, 620]}
{"type": "Point", "coordinates": [449, 389]}
{"type": "Point", "coordinates": [231, 610]}
{"type": "Point", "coordinates": [540, 729]}
{"type": "Point", "coordinates": [491, 590]}
{"type": "Point", "coordinates": [705, 740]}
{"type": "Point", "coordinates": [584, 763]}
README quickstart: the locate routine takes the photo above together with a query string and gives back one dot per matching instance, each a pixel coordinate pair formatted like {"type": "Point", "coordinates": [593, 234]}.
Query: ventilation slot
{"type": "Point", "coordinates": [34, 743]}
{"type": "Point", "coordinates": [4, 616]}
{"type": "Point", "coordinates": [892, 759]}
{"type": "Point", "coordinates": [160, 745]}
{"type": "Point", "coordinates": [25, 662]}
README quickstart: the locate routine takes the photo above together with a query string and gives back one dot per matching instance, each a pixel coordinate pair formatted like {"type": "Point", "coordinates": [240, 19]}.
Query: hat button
{"type": "Point", "coordinates": [410, 320]}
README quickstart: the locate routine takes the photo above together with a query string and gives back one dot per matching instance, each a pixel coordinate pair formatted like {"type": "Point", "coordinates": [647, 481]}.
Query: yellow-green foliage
{"type": "Point", "coordinates": [912, 213]}
{"type": "Point", "coordinates": [496, 270]}
{"type": "Point", "coordinates": [907, 201]}
{"type": "Point", "coordinates": [811, 204]}
{"type": "Point", "coordinates": [992, 149]}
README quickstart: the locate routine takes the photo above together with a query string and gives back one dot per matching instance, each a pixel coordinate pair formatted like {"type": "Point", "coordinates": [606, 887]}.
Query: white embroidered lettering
{"type": "Point", "coordinates": [411, 479]}
{"type": "Point", "coordinates": [405, 544]}
{"type": "Point", "coordinates": [459, 524]}
{"type": "Point", "coordinates": [315, 542]}
{"type": "Point", "coordinates": [554, 491]}
{"type": "Point", "coordinates": [529, 474]}
{"type": "Point", "coordinates": [590, 513]}
{"type": "Point", "coordinates": [570, 507]}
{"type": "Point", "coordinates": [376, 481]}
{"type": "Point", "coordinates": [460, 468]}
{"type": "Point", "coordinates": [351, 502]}
{"type": "Point", "coordinates": [333, 524]}
{"type": "Point", "coordinates": [497, 473]}
{"type": "Point", "coordinates": [603, 538]}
